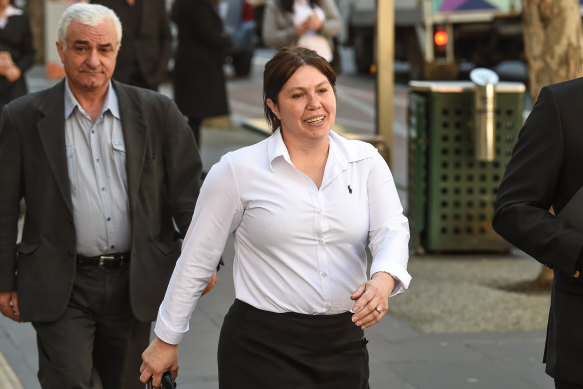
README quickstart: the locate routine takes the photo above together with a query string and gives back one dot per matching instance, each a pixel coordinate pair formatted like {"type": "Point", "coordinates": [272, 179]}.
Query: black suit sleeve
{"type": "Point", "coordinates": [204, 21]}
{"type": "Point", "coordinates": [165, 41]}
{"type": "Point", "coordinates": [533, 183]}
{"type": "Point", "coordinates": [10, 195]}
{"type": "Point", "coordinates": [183, 167]}
{"type": "Point", "coordinates": [26, 51]}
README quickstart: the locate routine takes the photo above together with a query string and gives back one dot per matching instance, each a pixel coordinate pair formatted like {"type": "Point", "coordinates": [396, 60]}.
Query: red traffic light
{"type": "Point", "coordinates": [440, 38]}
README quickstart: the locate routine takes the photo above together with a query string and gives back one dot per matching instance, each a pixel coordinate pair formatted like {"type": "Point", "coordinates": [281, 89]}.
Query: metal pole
{"type": "Point", "coordinates": [385, 35]}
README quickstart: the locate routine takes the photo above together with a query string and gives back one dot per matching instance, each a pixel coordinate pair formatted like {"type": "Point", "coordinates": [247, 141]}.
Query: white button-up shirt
{"type": "Point", "coordinates": [298, 248]}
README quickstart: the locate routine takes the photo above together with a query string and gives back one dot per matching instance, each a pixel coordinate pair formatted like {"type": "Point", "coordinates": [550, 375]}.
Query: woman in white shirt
{"type": "Point", "coordinates": [300, 205]}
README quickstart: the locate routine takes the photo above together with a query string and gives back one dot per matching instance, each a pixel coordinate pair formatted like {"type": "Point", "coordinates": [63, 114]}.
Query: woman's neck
{"type": "Point", "coordinates": [310, 159]}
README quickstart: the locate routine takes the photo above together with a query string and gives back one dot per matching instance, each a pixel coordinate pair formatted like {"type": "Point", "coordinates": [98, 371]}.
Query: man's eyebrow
{"type": "Point", "coordinates": [85, 43]}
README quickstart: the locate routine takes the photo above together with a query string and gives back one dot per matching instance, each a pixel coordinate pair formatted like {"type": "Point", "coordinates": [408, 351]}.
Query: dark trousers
{"type": "Point", "coordinates": [266, 350]}
{"type": "Point", "coordinates": [89, 346]}
{"type": "Point", "coordinates": [566, 385]}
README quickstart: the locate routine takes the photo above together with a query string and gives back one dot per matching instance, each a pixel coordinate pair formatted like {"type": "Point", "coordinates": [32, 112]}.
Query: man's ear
{"type": "Point", "coordinates": [273, 108]}
{"type": "Point", "coordinates": [60, 50]}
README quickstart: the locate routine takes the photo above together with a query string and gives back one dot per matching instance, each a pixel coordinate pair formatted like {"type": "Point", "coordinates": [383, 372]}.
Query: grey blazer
{"type": "Point", "coordinates": [163, 172]}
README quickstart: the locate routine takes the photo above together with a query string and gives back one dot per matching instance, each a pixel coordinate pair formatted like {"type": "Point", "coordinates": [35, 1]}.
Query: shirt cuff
{"type": "Point", "coordinates": [401, 276]}
{"type": "Point", "coordinates": [167, 333]}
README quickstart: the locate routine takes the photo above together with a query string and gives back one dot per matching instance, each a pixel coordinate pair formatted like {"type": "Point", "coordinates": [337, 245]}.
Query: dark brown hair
{"type": "Point", "coordinates": [281, 67]}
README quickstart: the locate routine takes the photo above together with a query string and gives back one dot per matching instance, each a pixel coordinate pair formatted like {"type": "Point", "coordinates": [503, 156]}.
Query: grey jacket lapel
{"type": "Point", "coordinates": [135, 134]}
{"type": "Point", "coordinates": [52, 134]}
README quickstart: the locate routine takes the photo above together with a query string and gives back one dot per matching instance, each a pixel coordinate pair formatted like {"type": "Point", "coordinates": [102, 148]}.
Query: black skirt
{"type": "Point", "coordinates": [266, 350]}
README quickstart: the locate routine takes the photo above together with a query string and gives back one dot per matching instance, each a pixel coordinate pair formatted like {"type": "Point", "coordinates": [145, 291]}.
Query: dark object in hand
{"type": "Point", "coordinates": [166, 382]}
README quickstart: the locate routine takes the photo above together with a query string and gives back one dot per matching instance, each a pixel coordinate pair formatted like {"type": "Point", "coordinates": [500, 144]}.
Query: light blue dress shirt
{"type": "Point", "coordinates": [96, 159]}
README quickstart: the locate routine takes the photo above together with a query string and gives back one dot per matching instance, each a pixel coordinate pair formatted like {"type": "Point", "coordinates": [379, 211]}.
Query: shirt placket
{"type": "Point", "coordinates": [320, 229]}
{"type": "Point", "coordinates": [102, 181]}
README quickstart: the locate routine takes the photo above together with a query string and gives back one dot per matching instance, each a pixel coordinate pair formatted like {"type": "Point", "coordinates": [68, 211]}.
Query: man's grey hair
{"type": "Point", "coordinates": [88, 14]}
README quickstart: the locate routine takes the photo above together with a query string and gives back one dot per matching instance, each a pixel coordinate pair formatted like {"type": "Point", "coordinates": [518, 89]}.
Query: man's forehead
{"type": "Point", "coordinates": [102, 32]}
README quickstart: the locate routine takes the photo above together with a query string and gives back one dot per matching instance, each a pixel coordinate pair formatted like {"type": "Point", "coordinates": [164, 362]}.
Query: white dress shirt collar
{"type": "Point", "coordinates": [8, 12]}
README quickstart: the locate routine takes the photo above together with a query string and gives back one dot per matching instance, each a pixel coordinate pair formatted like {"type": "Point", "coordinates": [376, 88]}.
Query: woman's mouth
{"type": "Point", "coordinates": [315, 120]}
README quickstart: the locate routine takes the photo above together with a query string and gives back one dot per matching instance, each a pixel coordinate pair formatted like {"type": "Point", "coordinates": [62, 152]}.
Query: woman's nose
{"type": "Point", "coordinates": [313, 101]}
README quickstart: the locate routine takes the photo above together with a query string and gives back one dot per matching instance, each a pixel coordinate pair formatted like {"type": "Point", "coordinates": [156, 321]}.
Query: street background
{"type": "Point", "coordinates": [467, 321]}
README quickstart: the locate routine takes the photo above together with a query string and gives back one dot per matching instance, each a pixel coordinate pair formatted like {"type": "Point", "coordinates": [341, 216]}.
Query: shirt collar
{"type": "Point", "coordinates": [276, 148]}
{"type": "Point", "coordinates": [342, 150]}
{"type": "Point", "coordinates": [8, 12]}
{"type": "Point", "coordinates": [12, 11]}
{"type": "Point", "coordinates": [110, 104]}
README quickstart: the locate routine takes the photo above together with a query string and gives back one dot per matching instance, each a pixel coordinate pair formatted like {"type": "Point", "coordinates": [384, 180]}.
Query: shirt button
{"type": "Point", "coordinates": [328, 307]}
{"type": "Point", "coordinates": [324, 274]}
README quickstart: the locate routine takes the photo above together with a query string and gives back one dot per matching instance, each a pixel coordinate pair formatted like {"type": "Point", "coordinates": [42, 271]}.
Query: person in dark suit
{"type": "Point", "coordinates": [198, 64]}
{"type": "Point", "coordinates": [110, 175]}
{"type": "Point", "coordinates": [543, 173]}
{"type": "Point", "coordinates": [146, 44]}
{"type": "Point", "coordinates": [16, 52]}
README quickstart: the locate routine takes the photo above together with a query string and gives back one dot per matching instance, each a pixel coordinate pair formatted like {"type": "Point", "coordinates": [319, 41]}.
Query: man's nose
{"type": "Point", "coordinates": [93, 59]}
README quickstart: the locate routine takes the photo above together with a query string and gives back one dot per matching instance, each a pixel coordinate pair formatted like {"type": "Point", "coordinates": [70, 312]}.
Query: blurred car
{"type": "Point", "coordinates": [239, 21]}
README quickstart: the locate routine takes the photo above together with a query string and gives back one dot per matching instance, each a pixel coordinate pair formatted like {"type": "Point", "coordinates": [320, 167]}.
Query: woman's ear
{"type": "Point", "coordinates": [273, 108]}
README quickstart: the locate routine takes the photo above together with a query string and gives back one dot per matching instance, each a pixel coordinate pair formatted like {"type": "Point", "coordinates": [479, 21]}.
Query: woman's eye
{"type": "Point", "coordinates": [297, 95]}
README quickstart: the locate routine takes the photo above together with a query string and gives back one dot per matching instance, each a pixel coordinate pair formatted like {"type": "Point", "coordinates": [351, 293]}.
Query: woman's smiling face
{"type": "Point", "coordinates": [306, 106]}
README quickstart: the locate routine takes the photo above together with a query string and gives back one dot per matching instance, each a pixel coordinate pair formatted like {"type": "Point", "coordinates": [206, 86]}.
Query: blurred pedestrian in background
{"type": "Point", "coordinates": [301, 206]}
{"type": "Point", "coordinates": [199, 80]}
{"type": "Point", "coordinates": [545, 172]}
{"type": "Point", "coordinates": [16, 52]}
{"type": "Point", "coordinates": [310, 23]}
{"type": "Point", "coordinates": [110, 174]}
{"type": "Point", "coordinates": [146, 45]}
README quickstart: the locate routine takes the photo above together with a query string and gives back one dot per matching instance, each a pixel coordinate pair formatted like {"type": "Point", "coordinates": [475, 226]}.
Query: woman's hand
{"type": "Point", "coordinates": [158, 358]}
{"type": "Point", "coordinates": [372, 300]}
{"type": "Point", "coordinates": [313, 23]}
{"type": "Point", "coordinates": [13, 73]}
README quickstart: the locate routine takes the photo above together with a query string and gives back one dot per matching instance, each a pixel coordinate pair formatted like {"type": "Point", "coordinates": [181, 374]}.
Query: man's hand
{"type": "Point", "coordinates": [9, 305]}
{"type": "Point", "coordinates": [158, 358]}
{"type": "Point", "coordinates": [372, 300]}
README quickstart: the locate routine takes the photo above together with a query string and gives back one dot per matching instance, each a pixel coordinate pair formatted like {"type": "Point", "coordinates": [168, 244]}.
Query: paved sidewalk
{"type": "Point", "coordinates": [444, 333]}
